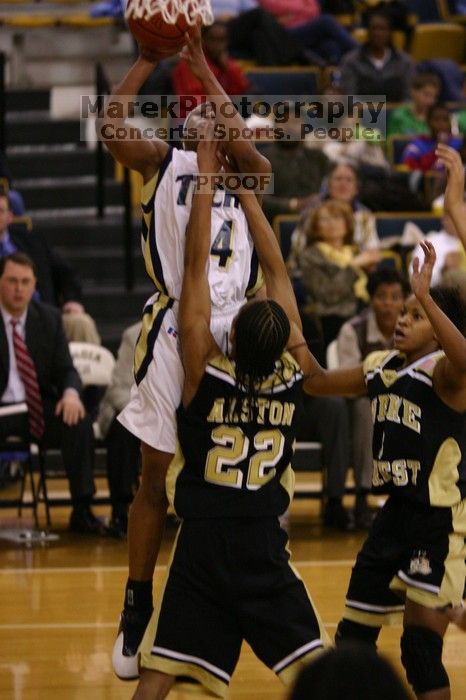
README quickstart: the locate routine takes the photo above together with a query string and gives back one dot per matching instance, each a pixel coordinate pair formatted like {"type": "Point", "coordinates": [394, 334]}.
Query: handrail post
{"type": "Point", "coordinates": [103, 88]}
{"type": "Point", "coordinates": [100, 161]}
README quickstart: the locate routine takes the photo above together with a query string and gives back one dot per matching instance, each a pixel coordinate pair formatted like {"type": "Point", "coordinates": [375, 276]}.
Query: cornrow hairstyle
{"type": "Point", "coordinates": [261, 333]}
{"type": "Point", "coordinates": [453, 305]}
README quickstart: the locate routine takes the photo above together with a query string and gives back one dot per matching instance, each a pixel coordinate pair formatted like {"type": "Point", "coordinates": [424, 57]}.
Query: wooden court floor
{"type": "Point", "coordinates": [60, 602]}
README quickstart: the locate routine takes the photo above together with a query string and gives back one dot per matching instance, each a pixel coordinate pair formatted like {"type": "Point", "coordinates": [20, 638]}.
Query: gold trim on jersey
{"type": "Point", "coordinates": [421, 369]}
{"type": "Point", "coordinates": [290, 673]}
{"type": "Point", "coordinates": [151, 323]}
{"type": "Point", "coordinates": [287, 481]}
{"type": "Point", "coordinates": [149, 245]}
{"type": "Point", "coordinates": [257, 284]}
{"type": "Point", "coordinates": [375, 359]}
{"type": "Point", "coordinates": [393, 616]}
{"type": "Point", "coordinates": [175, 468]}
{"type": "Point", "coordinates": [444, 476]}
{"type": "Point", "coordinates": [223, 368]}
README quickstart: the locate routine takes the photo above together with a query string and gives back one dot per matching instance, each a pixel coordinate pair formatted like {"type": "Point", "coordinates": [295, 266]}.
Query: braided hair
{"type": "Point", "coordinates": [262, 330]}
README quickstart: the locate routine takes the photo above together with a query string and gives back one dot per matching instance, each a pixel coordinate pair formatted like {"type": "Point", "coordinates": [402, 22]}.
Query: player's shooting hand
{"type": "Point", "coordinates": [422, 276]}
{"type": "Point", "coordinates": [451, 159]}
{"type": "Point", "coordinates": [194, 54]}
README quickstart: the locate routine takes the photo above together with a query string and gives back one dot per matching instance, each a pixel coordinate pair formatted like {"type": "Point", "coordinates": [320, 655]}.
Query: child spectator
{"type": "Point", "coordinates": [419, 154]}
{"type": "Point", "coordinates": [411, 118]}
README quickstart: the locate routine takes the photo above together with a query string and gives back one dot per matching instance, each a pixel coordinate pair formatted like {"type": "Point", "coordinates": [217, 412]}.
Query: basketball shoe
{"type": "Point", "coordinates": [129, 637]}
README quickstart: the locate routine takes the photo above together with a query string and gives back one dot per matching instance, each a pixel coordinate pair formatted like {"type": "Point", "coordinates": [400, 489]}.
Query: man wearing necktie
{"type": "Point", "coordinates": [36, 369]}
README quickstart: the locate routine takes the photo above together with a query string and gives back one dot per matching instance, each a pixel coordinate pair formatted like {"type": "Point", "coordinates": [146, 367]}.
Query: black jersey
{"type": "Point", "coordinates": [419, 443]}
{"type": "Point", "coordinates": [227, 464]}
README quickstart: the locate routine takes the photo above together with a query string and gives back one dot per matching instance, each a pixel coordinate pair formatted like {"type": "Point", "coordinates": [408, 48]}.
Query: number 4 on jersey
{"type": "Point", "coordinates": [222, 245]}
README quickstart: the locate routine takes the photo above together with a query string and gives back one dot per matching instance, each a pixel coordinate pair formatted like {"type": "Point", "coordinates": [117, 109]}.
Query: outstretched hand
{"type": "Point", "coordinates": [194, 54]}
{"type": "Point", "coordinates": [454, 193]}
{"type": "Point", "coordinates": [422, 276]}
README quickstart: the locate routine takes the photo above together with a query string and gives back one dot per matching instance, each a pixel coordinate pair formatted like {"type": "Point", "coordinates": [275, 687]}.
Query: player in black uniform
{"type": "Point", "coordinates": [412, 564]}
{"type": "Point", "coordinates": [229, 578]}
{"type": "Point", "coordinates": [455, 206]}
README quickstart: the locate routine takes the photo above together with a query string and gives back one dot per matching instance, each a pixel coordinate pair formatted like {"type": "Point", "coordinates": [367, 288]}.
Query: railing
{"type": "Point", "coordinates": [103, 88]}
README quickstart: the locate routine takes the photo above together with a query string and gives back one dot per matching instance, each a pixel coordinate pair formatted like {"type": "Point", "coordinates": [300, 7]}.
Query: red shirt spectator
{"type": "Point", "coordinates": [228, 73]}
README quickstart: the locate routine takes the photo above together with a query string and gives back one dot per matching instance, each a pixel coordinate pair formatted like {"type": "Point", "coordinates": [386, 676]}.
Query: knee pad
{"type": "Point", "coordinates": [349, 631]}
{"type": "Point", "coordinates": [421, 656]}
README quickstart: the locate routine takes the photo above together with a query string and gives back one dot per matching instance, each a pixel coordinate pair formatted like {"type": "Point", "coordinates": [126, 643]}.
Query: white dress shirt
{"type": "Point", "coordinates": [15, 391]}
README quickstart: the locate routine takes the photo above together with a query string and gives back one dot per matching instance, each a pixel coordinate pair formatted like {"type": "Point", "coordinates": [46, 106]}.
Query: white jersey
{"type": "Point", "coordinates": [166, 203]}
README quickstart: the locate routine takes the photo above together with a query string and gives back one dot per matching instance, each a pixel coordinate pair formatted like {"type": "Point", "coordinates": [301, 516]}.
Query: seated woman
{"type": "Point", "coordinates": [332, 273]}
{"type": "Point", "coordinates": [341, 185]}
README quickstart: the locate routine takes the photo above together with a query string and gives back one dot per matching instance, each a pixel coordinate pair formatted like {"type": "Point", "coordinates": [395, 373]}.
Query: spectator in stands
{"type": "Point", "coordinates": [56, 281]}
{"type": "Point", "coordinates": [419, 154]}
{"type": "Point", "coordinates": [257, 34]}
{"type": "Point", "coordinates": [341, 185]}
{"type": "Point", "coordinates": [411, 118]}
{"type": "Point", "coordinates": [298, 172]}
{"type": "Point", "coordinates": [357, 148]}
{"type": "Point", "coordinates": [37, 369]}
{"type": "Point", "coordinates": [377, 68]}
{"type": "Point", "coordinates": [449, 251]}
{"type": "Point", "coordinates": [123, 448]}
{"type": "Point", "coordinates": [315, 32]}
{"type": "Point", "coordinates": [227, 71]}
{"type": "Point", "coordinates": [14, 196]}
{"type": "Point", "coordinates": [352, 672]}
{"type": "Point", "coordinates": [332, 274]}
{"type": "Point", "coordinates": [370, 330]}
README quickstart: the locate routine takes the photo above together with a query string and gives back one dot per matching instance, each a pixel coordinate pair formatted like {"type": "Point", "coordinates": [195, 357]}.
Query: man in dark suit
{"type": "Point", "coordinates": [36, 368]}
{"type": "Point", "coordinates": [57, 283]}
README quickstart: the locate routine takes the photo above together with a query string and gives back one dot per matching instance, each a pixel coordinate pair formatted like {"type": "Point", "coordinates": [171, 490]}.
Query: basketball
{"type": "Point", "coordinates": [157, 35]}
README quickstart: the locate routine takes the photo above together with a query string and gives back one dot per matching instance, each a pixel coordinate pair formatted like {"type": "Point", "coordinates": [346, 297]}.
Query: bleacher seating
{"type": "Point", "coordinates": [396, 145]}
{"type": "Point", "coordinates": [284, 81]}
{"type": "Point", "coordinates": [438, 40]}
{"type": "Point", "coordinates": [283, 226]}
{"type": "Point", "coordinates": [446, 9]}
{"type": "Point", "coordinates": [392, 224]}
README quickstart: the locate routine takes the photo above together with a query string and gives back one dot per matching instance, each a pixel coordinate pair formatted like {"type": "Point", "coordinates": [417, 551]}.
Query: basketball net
{"type": "Point", "coordinates": [171, 9]}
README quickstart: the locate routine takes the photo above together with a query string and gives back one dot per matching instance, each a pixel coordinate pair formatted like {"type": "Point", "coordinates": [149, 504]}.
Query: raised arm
{"type": "Point", "coordinates": [248, 158]}
{"type": "Point", "coordinates": [454, 193]}
{"type": "Point", "coordinates": [139, 153]}
{"type": "Point", "coordinates": [449, 337]}
{"type": "Point", "coordinates": [197, 342]}
{"type": "Point", "coordinates": [318, 381]}
{"type": "Point", "coordinates": [277, 281]}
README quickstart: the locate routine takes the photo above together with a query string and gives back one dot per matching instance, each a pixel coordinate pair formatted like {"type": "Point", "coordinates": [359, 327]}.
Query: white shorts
{"type": "Point", "coordinates": [155, 396]}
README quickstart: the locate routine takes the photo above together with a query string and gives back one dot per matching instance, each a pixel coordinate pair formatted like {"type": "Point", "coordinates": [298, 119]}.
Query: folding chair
{"type": "Point", "coordinates": [29, 454]}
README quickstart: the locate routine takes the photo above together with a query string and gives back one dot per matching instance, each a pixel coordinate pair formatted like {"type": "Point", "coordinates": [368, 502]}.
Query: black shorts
{"type": "Point", "coordinates": [412, 550]}
{"type": "Point", "coordinates": [229, 581]}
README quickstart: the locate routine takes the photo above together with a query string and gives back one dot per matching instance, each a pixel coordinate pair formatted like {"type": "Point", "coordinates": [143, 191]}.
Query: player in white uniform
{"type": "Point", "coordinates": [150, 415]}
{"type": "Point", "coordinates": [233, 275]}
